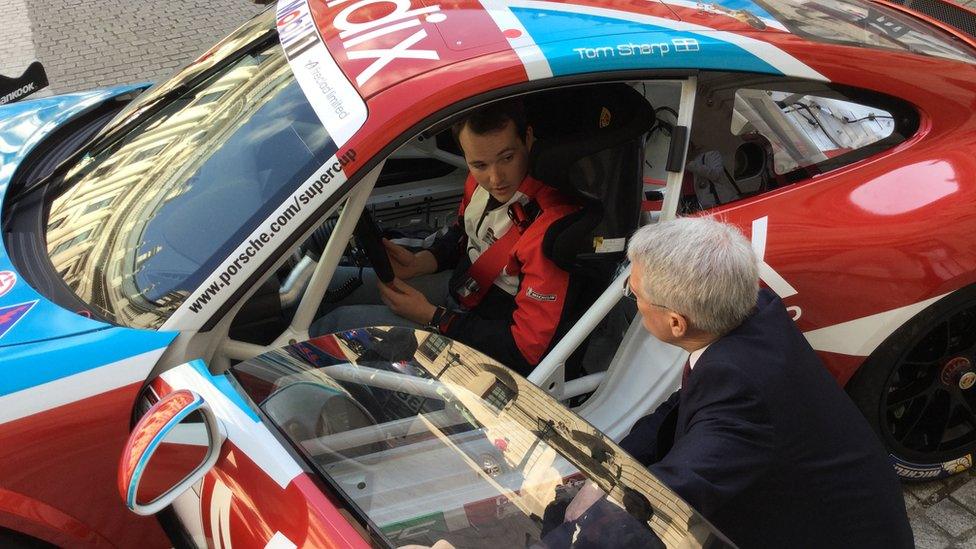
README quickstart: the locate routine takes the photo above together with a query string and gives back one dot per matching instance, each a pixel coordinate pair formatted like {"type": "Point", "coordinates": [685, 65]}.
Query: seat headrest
{"type": "Point", "coordinates": [574, 123]}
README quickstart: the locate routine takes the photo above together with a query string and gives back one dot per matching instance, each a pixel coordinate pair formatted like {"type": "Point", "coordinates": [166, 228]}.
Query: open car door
{"type": "Point", "coordinates": [387, 436]}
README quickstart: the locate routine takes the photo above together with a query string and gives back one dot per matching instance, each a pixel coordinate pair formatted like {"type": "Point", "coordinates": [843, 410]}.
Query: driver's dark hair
{"type": "Point", "coordinates": [494, 117]}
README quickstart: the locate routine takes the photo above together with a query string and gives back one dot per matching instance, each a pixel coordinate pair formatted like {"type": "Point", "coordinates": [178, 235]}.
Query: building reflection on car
{"type": "Point", "coordinates": [432, 442]}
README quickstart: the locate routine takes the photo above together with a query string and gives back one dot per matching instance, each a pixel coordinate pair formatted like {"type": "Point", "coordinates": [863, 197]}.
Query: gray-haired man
{"type": "Point", "coordinates": [759, 439]}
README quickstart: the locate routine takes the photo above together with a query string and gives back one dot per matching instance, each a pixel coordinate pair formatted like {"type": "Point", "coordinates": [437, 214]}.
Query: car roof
{"type": "Point", "coordinates": [378, 47]}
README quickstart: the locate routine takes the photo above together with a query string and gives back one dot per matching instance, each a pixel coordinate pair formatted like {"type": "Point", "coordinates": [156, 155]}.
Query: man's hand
{"type": "Point", "coordinates": [589, 494]}
{"type": "Point", "coordinates": [407, 264]}
{"type": "Point", "coordinates": [404, 300]}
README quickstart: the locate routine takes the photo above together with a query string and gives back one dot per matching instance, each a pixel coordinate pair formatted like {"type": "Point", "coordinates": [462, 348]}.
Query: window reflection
{"type": "Point", "coordinates": [144, 222]}
{"type": "Point", "coordinates": [436, 443]}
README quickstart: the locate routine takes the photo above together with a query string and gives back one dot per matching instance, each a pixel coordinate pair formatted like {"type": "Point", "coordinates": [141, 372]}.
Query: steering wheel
{"type": "Point", "coordinates": [369, 238]}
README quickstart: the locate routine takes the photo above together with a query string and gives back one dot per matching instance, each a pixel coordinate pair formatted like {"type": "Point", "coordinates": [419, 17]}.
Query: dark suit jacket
{"type": "Point", "coordinates": [765, 444]}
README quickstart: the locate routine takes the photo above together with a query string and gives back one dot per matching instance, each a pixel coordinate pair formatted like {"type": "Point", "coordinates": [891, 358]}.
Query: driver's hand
{"type": "Point", "coordinates": [404, 300]}
{"type": "Point", "coordinates": [404, 262]}
{"type": "Point", "coordinates": [589, 494]}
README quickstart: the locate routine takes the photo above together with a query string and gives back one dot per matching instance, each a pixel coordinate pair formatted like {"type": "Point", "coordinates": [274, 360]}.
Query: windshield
{"type": "Point", "coordinates": [143, 222]}
{"type": "Point", "coordinates": [434, 441]}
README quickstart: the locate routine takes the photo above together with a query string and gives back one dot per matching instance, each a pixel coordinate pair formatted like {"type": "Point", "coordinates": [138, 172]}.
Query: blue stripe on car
{"type": "Point", "coordinates": [26, 366]}
{"type": "Point", "coordinates": [566, 41]}
{"type": "Point", "coordinates": [222, 383]}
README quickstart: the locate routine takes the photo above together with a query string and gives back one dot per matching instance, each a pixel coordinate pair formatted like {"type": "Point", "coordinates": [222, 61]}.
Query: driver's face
{"type": "Point", "coordinates": [498, 160]}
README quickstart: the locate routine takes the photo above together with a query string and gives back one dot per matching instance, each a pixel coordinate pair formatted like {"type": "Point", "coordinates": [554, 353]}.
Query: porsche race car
{"type": "Point", "coordinates": [163, 240]}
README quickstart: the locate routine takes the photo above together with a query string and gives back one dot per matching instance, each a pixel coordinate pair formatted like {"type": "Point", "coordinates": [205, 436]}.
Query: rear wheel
{"type": "Point", "coordinates": [918, 390]}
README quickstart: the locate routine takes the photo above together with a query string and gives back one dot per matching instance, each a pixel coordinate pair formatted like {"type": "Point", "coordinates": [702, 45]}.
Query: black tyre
{"type": "Point", "coordinates": [918, 390]}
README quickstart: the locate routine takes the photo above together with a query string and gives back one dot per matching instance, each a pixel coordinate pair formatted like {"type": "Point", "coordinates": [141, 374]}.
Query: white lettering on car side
{"type": "Point", "coordinates": [220, 501]}
{"type": "Point", "coordinates": [767, 274]}
{"type": "Point", "coordinates": [16, 94]}
{"type": "Point", "coordinates": [354, 33]}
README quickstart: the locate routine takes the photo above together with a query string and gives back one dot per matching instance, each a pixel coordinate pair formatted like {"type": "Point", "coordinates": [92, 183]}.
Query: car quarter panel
{"type": "Point", "coordinates": [864, 248]}
{"type": "Point", "coordinates": [65, 406]}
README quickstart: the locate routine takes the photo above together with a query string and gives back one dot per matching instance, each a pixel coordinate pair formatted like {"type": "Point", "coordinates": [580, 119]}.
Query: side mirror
{"type": "Point", "coordinates": [172, 447]}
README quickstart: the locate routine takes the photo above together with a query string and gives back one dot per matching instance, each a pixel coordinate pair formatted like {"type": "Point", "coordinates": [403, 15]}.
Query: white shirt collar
{"type": "Point", "coordinates": [695, 355]}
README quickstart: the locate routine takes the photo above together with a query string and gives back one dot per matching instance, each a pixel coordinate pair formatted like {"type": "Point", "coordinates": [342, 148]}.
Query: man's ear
{"type": "Point", "coordinates": [529, 137]}
{"type": "Point", "coordinates": [678, 324]}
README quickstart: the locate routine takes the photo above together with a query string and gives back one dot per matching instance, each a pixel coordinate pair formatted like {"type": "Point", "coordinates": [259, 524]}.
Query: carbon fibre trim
{"type": "Point", "coordinates": [951, 14]}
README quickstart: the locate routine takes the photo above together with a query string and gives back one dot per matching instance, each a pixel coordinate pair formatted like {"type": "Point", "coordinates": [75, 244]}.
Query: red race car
{"type": "Point", "coordinates": [166, 244]}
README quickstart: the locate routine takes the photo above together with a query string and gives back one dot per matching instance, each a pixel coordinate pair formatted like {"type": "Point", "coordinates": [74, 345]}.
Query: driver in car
{"type": "Point", "coordinates": [486, 281]}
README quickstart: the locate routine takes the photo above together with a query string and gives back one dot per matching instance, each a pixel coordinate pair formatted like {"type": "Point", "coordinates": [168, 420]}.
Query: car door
{"type": "Point", "coordinates": [391, 437]}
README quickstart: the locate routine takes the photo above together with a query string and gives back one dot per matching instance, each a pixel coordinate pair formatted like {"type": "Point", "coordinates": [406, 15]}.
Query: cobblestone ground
{"type": "Point", "coordinates": [943, 513]}
{"type": "Point", "coordinates": [90, 43]}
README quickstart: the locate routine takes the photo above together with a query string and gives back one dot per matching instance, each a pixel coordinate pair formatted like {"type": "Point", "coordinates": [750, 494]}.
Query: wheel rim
{"type": "Point", "coordinates": [928, 406]}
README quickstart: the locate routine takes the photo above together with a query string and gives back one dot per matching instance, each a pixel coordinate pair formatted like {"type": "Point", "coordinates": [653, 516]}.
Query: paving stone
{"type": "Point", "coordinates": [951, 516]}
{"type": "Point", "coordinates": [910, 499]}
{"type": "Point", "coordinates": [965, 544]}
{"type": "Point", "coordinates": [16, 47]}
{"type": "Point", "coordinates": [121, 40]}
{"type": "Point", "coordinates": [923, 490]}
{"type": "Point", "coordinates": [927, 534]}
{"type": "Point", "coordinates": [966, 494]}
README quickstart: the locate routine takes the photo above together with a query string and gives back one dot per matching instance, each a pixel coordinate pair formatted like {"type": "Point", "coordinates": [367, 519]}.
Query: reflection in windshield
{"type": "Point", "coordinates": [144, 222]}
{"type": "Point", "coordinates": [435, 442]}
{"type": "Point", "coordinates": [257, 27]}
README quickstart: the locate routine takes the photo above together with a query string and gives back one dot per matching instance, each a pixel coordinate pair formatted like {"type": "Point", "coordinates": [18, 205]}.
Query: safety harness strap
{"type": "Point", "coordinates": [483, 272]}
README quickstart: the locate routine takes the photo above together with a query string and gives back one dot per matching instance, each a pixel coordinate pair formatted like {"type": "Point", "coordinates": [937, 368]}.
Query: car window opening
{"type": "Point", "coordinates": [418, 192]}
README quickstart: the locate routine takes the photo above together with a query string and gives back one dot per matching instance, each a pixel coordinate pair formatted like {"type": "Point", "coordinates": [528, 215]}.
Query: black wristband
{"type": "Point", "coordinates": [435, 321]}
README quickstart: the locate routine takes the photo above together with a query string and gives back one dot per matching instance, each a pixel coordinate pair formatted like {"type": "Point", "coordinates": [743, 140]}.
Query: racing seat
{"type": "Point", "coordinates": [752, 170]}
{"type": "Point", "coordinates": [591, 147]}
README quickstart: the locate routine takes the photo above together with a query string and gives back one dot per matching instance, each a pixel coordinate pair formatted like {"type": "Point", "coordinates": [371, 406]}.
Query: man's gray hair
{"type": "Point", "coordinates": [698, 267]}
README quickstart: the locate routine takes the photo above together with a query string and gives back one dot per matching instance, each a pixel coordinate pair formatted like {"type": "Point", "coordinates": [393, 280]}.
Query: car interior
{"type": "Point", "coordinates": [608, 145]}
{"type": "Point", "coordinates": [604, 145]}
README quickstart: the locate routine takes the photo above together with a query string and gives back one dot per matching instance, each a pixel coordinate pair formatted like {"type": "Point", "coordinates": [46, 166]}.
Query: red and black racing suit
{"type": "Point", "coordinates": [517, 319]}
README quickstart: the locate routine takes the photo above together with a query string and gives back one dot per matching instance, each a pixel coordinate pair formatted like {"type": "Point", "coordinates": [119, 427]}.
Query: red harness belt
{"type": "Point", "coordinates": [483, 272]}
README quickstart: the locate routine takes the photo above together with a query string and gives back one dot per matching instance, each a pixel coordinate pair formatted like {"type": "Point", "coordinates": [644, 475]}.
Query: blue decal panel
{"type": "Point", "coordinates": [222, 383]}
{"type": "Point", "coordinates": [11, 315]}
{"type": "Point", "coordinates": [26, 366]}
{"type": "Point", "coordinates": [567, 41]}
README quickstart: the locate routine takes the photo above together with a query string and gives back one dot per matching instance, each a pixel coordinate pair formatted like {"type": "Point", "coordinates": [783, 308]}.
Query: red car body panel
{"type": "Point", "coordinates": [300, 512]}
{"type": "Point", "coordinates": [89, 512]}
